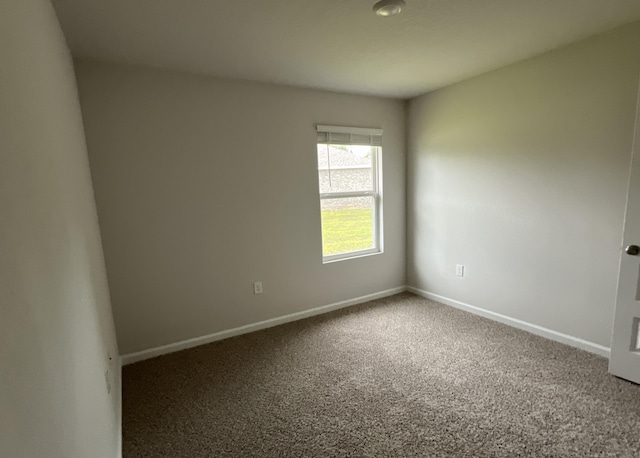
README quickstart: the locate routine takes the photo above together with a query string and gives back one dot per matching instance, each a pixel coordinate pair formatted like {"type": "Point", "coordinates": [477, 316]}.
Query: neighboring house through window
{"type": "Point", "coordinates": [349, 175]}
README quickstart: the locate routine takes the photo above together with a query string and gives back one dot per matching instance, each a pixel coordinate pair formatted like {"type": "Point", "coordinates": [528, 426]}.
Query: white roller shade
{"type": "Point", "coordinates": [341, 135]}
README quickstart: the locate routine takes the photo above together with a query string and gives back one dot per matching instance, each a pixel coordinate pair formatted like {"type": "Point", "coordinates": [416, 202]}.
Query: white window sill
{"type": "Point", "coordinates": [351, 255]}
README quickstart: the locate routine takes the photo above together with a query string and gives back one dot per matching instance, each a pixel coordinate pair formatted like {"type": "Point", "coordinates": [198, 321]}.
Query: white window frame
{"type": "Point", "coordinates": [375, 142]}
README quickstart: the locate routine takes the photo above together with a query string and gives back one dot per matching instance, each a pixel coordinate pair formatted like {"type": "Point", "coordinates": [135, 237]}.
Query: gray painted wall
{"type": "Point", "coordinates": [205, 185]}
{"type": "Point", "coordinates": [521, 175]}
{"type": "Point", "coordinates": [56, 329]}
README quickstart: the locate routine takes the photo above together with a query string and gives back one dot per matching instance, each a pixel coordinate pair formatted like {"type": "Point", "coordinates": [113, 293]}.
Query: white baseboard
{"type": "Point", "coordinates": [532, 328]}
{"type": "Point", "coordinates": [519, 324]}
{"type": "Point", "coordinates": [190, 343]}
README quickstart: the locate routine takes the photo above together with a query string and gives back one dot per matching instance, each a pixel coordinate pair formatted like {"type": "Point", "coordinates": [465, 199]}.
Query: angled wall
{"type": "Point", "coordinates": [59, 391]}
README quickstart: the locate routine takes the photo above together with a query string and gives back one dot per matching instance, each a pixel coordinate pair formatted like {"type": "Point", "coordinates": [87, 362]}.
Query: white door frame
{"type": "Point", "coordinates": [624, 361]}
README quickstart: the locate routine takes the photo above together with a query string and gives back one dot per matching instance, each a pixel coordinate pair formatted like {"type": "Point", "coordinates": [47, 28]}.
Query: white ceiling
{"type": "Point", "coordinates": [334, 44]}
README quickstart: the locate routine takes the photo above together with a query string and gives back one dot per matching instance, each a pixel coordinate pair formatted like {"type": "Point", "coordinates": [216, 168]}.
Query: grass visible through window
{"type": "Point", "coordinates": [346, 230]}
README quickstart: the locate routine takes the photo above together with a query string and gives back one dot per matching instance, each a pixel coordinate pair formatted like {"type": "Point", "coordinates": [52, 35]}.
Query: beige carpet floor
{"type": "Point", "coordinates": [396, 377]}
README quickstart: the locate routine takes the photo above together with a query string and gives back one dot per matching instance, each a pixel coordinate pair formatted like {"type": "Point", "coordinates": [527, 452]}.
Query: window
{"type": "Point", "coordinates": [349, 174]}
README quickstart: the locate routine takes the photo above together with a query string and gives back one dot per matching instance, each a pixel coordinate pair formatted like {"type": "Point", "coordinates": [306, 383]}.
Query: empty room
{"type": "Point", "coordinates": [319, 228]}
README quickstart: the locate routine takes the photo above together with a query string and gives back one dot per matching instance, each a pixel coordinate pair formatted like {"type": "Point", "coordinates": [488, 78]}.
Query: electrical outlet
{"type": "Point", "coordinates": [107, 373]}
{"type": "Point", "coordinates": [459, 270]}
{"type": "Point", "coordinates": [257, 287]}
{"type": "Point", "coordinates": [107, 379]}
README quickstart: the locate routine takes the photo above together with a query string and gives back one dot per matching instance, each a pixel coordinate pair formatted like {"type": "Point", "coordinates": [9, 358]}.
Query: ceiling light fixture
{"type": "Point", "coordinates": [387, 8]}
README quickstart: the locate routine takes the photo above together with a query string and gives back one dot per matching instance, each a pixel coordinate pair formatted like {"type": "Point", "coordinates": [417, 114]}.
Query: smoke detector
{"type": "Point", "coordinates": [386, 8]}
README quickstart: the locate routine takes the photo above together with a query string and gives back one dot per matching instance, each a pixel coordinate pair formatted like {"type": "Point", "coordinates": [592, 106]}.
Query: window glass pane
{"type": "Point", "coordinates": [345, 168]}
{"type": "Point", "coordinates": [347, 224]}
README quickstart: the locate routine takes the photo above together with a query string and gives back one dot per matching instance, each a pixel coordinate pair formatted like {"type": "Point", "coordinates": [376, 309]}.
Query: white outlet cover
{"type": "Point", "coordinates": [107, 379]}
{"type": "Point", "coordinates": [257, 287]}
